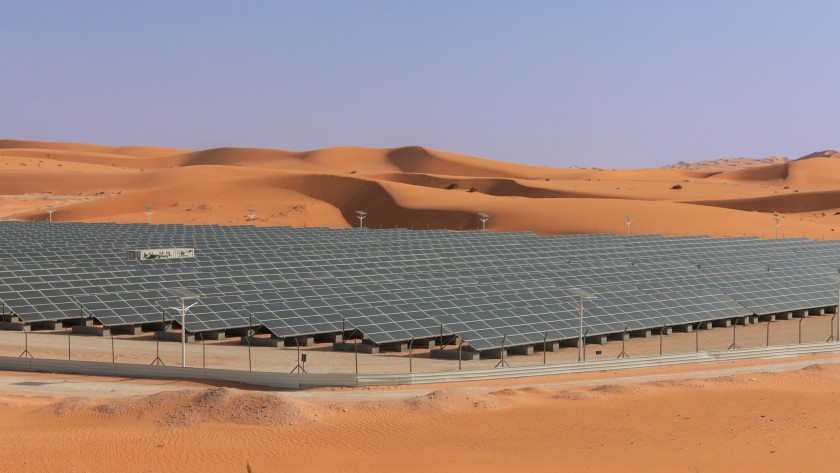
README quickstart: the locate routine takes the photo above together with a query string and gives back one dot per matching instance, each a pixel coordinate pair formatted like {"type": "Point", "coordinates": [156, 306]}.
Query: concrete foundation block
{"type": "Point", "coordinates": [521, 350]}
{"type": "Point", "coordinates": [262, 342]}
{"type": "Point", "coordinates": [90, 330]}
{"type": "Point", "coordinates": [549, 346]}
{"type": "Point", "coordinates": [15, 326]}
{"type": "Point", "coordinates": [817, 311]}
{"type": "Point", "coordinates": [767, 318]}
{"type": "Point", "coordinates": [664, 330]}
{"type": "Point", "coordinates": [78, 322]}
{"type": "Point", "coordinates": [784, 316]}
{"type": "Point", "coordinates": [619, 336]}
{"type": "Point", "coordinates": [303, 341]}
{"type": "Point", "coordinates": [212, 335]}
{"type": "Point", "coordinates": [424, 345]}
{"type": "Point", "coordinates": [800, 313]}
{"type": "Point", "coordinates": [126, 330]}
{"type": "Point", "coordinates": [742, 321]}
{"type": "Point", "coordinates": [597, 339]}
{"type": "Point", "coordinates": [706, 325]}
{"type": "Point", "coordinates": [466, 354]}
{"type": "Point", "coordinates": [685, 328]}
{"type": "Point", "coordinates": [360, 347]}
{"type": "Point", "coordinates": [174, 337]}
{"type": "Point", "coordinates": [722, 323]}
{"type": "Point", "coordinates": [640, 333]}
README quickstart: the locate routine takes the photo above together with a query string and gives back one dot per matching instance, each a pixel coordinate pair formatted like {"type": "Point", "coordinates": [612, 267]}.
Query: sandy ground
{"type": "Point", "coordinates": [415, 187]}
{"type": "Point", "coordinates": [779, 416]}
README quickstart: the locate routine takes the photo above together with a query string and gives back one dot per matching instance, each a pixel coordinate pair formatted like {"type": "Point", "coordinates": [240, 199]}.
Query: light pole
{"type": "Point", "coordinates": [836, 279]}
{"type": "Point", "coordinates": [183, 295]}
{"type": "Point", "coordinates": [251, 214]}
{"type": "Point", "coordinates": [628, 219]}
{"type": "Point", "coordinates": [484, 218]}
{"type": "Point", "coordinates": [361, 214]}
{"type": "Point", "coordinates": [50, 210]}
{"type": "Point", "coordinates": [778, 223]}
{"type": "Point", "coordinates": [583, 295]}
{"type": "Point", "coordinates": [149, 215]}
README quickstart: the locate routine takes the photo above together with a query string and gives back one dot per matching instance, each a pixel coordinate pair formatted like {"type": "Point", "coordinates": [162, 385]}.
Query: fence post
{"type": "Point", "coordinates": [410, 366]}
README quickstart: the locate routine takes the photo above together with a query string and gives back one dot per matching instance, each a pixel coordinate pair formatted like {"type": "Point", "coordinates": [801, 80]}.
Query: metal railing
{"type": "Point", "coordinates": [304, 380]}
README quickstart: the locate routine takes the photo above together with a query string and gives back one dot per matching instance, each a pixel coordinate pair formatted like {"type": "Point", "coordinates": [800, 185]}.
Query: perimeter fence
{"type": "Point", "coordinates": [143, 356]}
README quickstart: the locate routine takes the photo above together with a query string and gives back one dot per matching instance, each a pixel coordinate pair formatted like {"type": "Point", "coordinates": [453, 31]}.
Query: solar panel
{"type": "Point", "coordinates": [394, 285]}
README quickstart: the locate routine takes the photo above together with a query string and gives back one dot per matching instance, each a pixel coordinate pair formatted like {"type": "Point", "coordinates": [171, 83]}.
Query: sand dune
{"type": "Point", "coordinates": [786, 203]}
{"type": "Point", "coordinates": [491, 186]}
{"type": "Point", "coordinates": [136, 151]}
{"type": "Point", "coordinates": [410, 187]}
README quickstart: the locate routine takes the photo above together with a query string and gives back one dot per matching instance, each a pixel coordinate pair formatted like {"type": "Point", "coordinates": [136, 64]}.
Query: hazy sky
{"type": "Point", "coordinates": [596, 83]}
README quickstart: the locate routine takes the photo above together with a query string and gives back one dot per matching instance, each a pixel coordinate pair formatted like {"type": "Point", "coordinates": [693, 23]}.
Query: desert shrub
{"type": "Point", "coordinates": [452, 186]}
{"type": "Point", "coordinates": [472, 189]}
{"type": "Point", "coordinates": [676, 187]}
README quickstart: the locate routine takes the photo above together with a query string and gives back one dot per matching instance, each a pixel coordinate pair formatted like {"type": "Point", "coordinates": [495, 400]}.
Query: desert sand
{"type": "Point", "coordinates": [779, 416]}
{"type": "Point", "coordinates": [769, 416]}
{"type": "Point", "coordinates": [415, 187]}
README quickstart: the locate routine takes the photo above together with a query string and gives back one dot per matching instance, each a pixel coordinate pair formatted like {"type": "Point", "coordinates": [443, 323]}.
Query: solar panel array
{"type": "Point", "coordinates": [396, 285]}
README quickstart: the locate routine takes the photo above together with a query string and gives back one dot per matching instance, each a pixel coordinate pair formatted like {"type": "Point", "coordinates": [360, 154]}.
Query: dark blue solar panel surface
{"type": "Point", "coordinates": [395, 285]}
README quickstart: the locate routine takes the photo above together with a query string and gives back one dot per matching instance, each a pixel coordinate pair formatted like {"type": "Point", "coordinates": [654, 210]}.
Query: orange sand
{"type": "Point", "coordinates": [762, 421]}
{"type": "Point", "coordinates": [407, 187]}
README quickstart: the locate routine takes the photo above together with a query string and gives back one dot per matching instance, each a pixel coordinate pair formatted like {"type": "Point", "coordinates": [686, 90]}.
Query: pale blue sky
{"type": "Point", "coordinates": [596, 83]}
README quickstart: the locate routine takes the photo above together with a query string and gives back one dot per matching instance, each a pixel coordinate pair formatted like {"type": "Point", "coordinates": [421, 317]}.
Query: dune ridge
{"type": "Point", "coordinates": [411, 187]}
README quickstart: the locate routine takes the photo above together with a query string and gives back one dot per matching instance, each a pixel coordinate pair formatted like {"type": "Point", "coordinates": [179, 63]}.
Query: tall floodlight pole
{"type": "Point", "coordinates": [837, 312]}
{"type": "Point", "coordinates": [50, 210]}
{"type": "Point", "coordinates": [628, 219]}
{"type": "Point", "coordinates": [251, 214]}
{"type": "Point", "coordinates": [584, 296]}
{"type": "Point", "coordinates": [361, 214]}
{"type": "Point", "coordinates": [149, 215]}
{"type": "Point", "coordinates": [836, 279]}
{"type": "Point", "coordinates": [778, 223]}
{"type": "Point", "coordinates": [183, 295]}
{"type": "Point", "coordinates": [484, 217]}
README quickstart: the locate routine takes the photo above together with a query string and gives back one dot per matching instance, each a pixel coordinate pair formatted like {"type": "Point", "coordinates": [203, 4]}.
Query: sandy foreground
{"type": "Point", "coordinates": [754, 416]}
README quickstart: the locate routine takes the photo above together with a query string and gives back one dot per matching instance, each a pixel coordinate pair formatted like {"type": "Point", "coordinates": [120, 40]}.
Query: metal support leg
{"type": "Point", "coordinates": [25, 353]}
{"type": "Point", "coordinates": [502, 362]}
{"type": "Point", "coordinates": [623, 353]}
{"type": "Point", "coordinates": [734, 345]}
